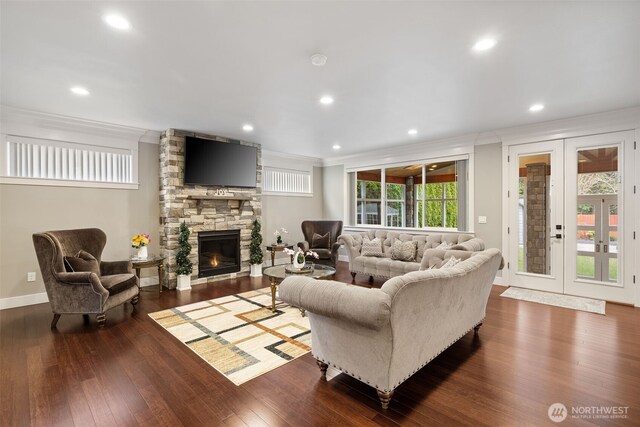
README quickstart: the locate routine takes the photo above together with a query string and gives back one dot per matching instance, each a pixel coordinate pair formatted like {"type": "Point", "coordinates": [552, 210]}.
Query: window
{"type": "Point", "coordinates": [36, 161]}
{"type": "Point", "coordinates": [369, 197]}
{"type": "Point", "coordinates": [286, 181]}
{"type": "Point", "coordinates": [422, 195]}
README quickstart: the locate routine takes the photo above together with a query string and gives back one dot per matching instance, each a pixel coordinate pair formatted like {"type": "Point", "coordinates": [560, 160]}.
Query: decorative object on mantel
{"type": "Point", "coordinates": [255, 251]}
{"type": "Point", "coordinates": [259, 342]}
{"type": "Point", "coordinates": [185, 267]}
{"type": "Point", "coordinates": [278, 234]}
{"type": "Point", "coordinates": [140, 242]}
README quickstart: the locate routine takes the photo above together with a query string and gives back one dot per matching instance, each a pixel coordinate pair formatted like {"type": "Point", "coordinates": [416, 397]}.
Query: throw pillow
{"type": "Point", "coordinates": [320, 242]}
{"type": "Point", "coordinates": [83, 261]}
{"type": "Point", "coordinates": [444, 246]}
{"type": "Point", "coordinates": [450, 262]}
{"type": "Point", "coordinates": [404, 251]}
{"type": "Point", "coordinates": [372, 248]}
{"type": "Point", "coordinates": [435, 262]}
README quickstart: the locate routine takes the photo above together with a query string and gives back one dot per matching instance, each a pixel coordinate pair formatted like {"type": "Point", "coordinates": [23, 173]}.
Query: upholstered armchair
{"type": "Point", "coordinates": [76, 280]}
{"type": "Point", "coordinates": [320, 237]}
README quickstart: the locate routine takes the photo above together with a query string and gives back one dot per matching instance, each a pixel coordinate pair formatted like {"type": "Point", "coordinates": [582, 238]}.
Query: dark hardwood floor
{"type": "Point", "coordinates": [526, 357]}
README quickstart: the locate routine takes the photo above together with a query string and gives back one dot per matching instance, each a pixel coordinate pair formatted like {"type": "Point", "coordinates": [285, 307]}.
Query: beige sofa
{"type": "Point", "coordinates": [383, 336]}
{"type": "Point", "coordinates": [385, 267]}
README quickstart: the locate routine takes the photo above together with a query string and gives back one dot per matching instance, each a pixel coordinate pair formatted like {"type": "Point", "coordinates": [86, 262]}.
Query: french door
{"type": "Point", "coordinates": [570, 216]}
{"type": "Point", "coordinates": [536, 211]}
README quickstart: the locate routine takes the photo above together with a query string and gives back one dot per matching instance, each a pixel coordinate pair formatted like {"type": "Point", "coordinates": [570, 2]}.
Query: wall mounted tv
{"type": "Point", "coordinates": [208, 162]}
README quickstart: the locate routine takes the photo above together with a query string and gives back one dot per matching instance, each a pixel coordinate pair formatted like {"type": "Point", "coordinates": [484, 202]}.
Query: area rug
{"type": "Point", "coordinates": [238, 334]}
{"type": "Point", "coordinates": [548, 298]}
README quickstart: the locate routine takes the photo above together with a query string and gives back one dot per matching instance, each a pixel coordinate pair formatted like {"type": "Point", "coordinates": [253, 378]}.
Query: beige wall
{"type": "Point", "coordinates": [488, 188]}
{"type": "Point", "coordinates": [26, 209]}
{"type": "Point", "coordinates": [289, 212]}
{"type": "Point", "coordinates": [333, 190]}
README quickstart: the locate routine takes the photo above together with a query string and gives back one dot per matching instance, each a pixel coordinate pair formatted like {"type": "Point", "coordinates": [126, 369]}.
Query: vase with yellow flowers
{"type": "Point", "coordinates": [140, 242]}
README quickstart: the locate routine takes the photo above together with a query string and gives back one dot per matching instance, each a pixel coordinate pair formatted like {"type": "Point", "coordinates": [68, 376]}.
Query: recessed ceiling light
{"type": "Point", "coordinates": [318, 59]}
{"type": "Point", "coordinates": [326, 100]}
{"type": "Point", "coordinates": [247, 128]}
{"type": "Point", "coordinates": [117, 21]}
{"type": "Point", "coordinates": [79, 90]}
{"type": "Point", "coordinates": [336, 146]}
{"type": "Point", "coordinates": [412, 131]}
{"type": "Point", "coordinates": [536, 107]}
{"type": "Point", "coordinates": [484, 44]}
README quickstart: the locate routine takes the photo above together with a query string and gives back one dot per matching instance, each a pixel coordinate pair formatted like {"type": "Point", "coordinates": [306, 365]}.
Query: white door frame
{"type": "Point", "coordinates": [624, 290]}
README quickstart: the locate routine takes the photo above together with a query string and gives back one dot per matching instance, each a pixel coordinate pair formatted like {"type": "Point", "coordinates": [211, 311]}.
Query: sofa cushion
{"type": "Point", "coordinates": [82, 262]}
{"type": "Point", "coordinates": [321, 242]}
{"type": "Point", "coordinates": [404, 251]}
{"type": "Point", "coordinates": [372, 248]}
{"type": "Point", "coordinates": [117, 283]}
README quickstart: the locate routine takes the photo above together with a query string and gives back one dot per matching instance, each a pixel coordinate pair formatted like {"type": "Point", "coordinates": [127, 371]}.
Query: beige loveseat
{"type": "Point", "coordinates": [383, 336]}
{"type": "Point", "coordinates": [386, 267]}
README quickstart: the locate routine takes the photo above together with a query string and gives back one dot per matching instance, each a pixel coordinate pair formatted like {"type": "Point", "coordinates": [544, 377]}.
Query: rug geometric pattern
{"type": "Point", "coordinates": [238, 334]}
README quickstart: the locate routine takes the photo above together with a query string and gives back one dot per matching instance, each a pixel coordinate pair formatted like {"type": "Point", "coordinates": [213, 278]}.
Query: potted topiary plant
{"type": "Point", "coordinates": [185, 267]}
{"type": "Point", "coordinates": [255, 250]}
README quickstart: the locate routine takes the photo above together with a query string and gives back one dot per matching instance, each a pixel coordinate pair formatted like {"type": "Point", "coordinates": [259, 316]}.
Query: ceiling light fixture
{"type": "Point", "coordinates": [484, 44]}
{"type": "Point", "coordinates": [336, 146]}
{"type": "Point", "coordinates": [79, 90]}
{"type": "Point", "coordinates": [318, 59]}
{"type": "Point", "coordinates": [247, 128]}
{"type": "Point", "coordinates": [326, 100]}
{"type": "Point", "coordinates": [117, 21]}
{"type": "Point", "coordinates": [536, 107]}
{"type": "Point", "coordinates": [412, 131]}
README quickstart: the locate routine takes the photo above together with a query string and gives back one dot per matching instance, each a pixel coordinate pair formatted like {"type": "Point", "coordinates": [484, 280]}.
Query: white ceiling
{"type": "Point", "coordinates": [213, 66]}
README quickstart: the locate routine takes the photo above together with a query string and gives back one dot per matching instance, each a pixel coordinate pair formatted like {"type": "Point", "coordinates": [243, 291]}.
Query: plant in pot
{"type": "Point", "coordinates": [185, 267]}
{"type": "Point", "coordinates": [255, 250]}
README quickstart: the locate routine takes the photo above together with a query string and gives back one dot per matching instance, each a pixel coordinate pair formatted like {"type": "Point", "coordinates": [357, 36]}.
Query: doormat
{"type": "Point", "coordinates": [238, 335]}
{"type": "Point", "coordinates": [558, 300]}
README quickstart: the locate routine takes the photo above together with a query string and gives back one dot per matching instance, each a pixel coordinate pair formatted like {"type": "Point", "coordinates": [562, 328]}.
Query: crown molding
{"type": "Point", "coordinates": [279, 156]}
{"type": "Point", "coordinates": [21, 122]}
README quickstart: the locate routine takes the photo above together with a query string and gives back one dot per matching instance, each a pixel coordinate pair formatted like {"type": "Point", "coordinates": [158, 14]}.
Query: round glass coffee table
{"type": "Point", "coordinates": [277, 274]}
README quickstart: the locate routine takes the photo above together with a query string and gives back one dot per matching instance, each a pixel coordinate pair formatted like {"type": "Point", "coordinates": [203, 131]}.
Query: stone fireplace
{"type": "Point", "coordinates": [207, 210]}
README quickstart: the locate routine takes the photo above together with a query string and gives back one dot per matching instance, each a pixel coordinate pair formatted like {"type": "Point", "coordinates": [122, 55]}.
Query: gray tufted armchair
{"type": "Point", "coordinates": [76, 280]}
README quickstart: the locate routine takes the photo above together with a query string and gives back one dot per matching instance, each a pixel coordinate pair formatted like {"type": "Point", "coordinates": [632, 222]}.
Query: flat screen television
{"type": "Point", "coordinates": [208, 162]}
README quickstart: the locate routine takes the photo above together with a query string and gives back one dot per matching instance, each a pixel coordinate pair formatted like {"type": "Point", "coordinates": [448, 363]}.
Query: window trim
{"type": "Point", "coordinates": [351, 217]}
{"type": "Point", "coordinates": [5, 178]}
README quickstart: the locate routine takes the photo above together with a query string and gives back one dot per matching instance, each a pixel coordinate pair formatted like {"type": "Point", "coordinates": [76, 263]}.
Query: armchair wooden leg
{"type": "Point", "coordinates": [323, 369]}
{"type": "Point", "coordinates": [370, 279]}
{"type": "Point", "coordinates": [85, 318]}
{"type": "Point", "coordinates": [385, 398]}
{"type": "Point", "coordinates": [102, 318]}
{"type": "Point", "coordinates": [477, 328]}
{"type": "Point", "coordinates": [135, 300]}
{"type": "Point", "coordinates": [353, 274]}
{"type": "Point", "coordinates": [54, 322]}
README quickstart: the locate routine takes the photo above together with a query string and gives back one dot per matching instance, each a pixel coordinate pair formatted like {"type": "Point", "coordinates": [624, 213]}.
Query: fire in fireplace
{"type": "Point", "coordinates": [218, 252]}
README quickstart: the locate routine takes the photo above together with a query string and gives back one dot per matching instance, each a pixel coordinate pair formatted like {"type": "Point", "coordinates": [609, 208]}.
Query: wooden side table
{"type": "Point", "coordinates": [151, 261]}
{"type": "Point", "coordinates": [273, 248]}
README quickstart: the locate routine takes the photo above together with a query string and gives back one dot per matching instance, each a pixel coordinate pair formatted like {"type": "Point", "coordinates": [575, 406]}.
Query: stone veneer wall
{"type": "Point", "coordinates": [222, 213]}
{"type": "Point", "coordinates": [537, 218]}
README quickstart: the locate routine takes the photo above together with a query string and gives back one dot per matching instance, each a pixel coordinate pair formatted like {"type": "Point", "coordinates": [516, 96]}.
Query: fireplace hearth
{"type": "Point", "coordinates": [218, 252]}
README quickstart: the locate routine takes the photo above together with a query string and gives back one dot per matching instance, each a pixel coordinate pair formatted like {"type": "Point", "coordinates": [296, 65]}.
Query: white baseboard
{"type": "Point", "coordinates": [344, 258]}
{"type": "Point", "coordinates": [149, 281]}
{"type": "Point", "coordinates": [23, 300]}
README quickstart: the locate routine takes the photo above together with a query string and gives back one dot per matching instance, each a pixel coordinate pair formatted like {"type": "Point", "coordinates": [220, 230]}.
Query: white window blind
{"type": "Point", "coordinates": [286, 181]}
{"type": "Point", "coordinates": [57, 160]}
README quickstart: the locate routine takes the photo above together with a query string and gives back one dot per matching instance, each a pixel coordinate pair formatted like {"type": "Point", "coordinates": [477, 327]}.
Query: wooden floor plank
{"type": "Point", "coordinates": [133, 372]}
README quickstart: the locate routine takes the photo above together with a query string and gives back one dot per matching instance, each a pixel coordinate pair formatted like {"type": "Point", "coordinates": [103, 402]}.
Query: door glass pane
{"type": "Point", "coordinates": [586, 240]}
{"type": "Point", "coordinates": [533, 213]}
{"type": "Point", "coordinates": [613, 269]}
{"type": "Point", "coordinates": [586, 266]}
{"type": "Point", "coordinates": [597, 245]}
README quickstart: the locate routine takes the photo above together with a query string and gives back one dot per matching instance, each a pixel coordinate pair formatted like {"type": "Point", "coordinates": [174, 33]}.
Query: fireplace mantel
{"type": "Point", "coordinates": [207, 197]}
